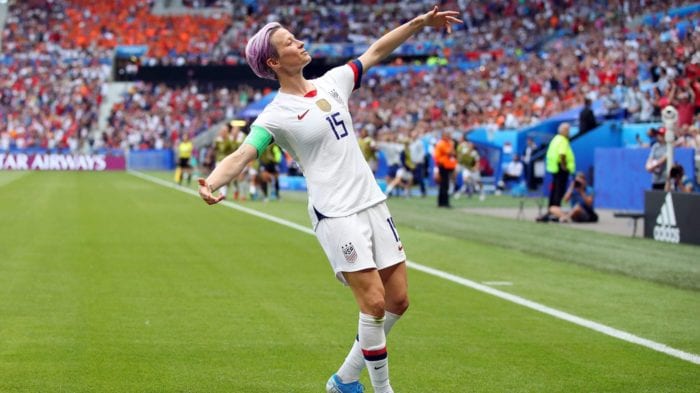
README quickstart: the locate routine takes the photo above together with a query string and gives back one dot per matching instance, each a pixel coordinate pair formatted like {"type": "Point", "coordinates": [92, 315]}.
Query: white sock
{"type": "Point", "coordinates": [355, 361]}
{"type": "Point", "coordinates": [373, 344]}
{"type": "Point", "coordinates": [389, 320]}
{"type": "Point", "coordinates": [223, 190]}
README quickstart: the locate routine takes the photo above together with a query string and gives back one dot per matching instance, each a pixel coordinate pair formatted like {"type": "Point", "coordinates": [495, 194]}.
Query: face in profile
{"type": "Point", "coordinates": [291, 55]}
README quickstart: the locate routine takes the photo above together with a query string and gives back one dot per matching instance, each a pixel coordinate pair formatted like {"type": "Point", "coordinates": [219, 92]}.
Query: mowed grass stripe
{"type": "Point", "coordinates": [268, 217]}
{"type": "Point", "coordinates": [652, 310]}
{"type": "Point", "coordinates": [675, 265]}
{"type": "Point", "coordinates": [174, 297]}
{"type": "Point", "coordinates": [10, 176]}
{"type": "Point", "coordinates": [112, 283]}
{"type": "Point", "coordinates": [598, 327]}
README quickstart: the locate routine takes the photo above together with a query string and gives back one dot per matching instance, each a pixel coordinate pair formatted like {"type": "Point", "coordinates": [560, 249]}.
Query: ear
{"type": "Point", "coordinates": [273, 63]}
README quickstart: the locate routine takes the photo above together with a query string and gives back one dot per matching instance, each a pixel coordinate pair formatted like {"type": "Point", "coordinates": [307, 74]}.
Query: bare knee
{"type": "Point", "coordinates": [373, 303]}
{"type": "Point", "coordinates": [397, 303]}
{"type": "Point", "coordinates": [399, 306]}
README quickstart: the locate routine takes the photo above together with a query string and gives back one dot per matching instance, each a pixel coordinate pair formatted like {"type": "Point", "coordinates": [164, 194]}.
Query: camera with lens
{"type": "Point", "coordinates": [577, 183]}
{"type": "Point", "coordinates": [676, 172]}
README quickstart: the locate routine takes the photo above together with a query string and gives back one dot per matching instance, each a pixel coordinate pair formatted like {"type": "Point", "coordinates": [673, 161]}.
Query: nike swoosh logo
{"type": "Point", "coordinates": [377, 368]}
{"type": "Point", "coordinates": [303, 114]}
{"type": "Point", "coordinates": [400, 248]}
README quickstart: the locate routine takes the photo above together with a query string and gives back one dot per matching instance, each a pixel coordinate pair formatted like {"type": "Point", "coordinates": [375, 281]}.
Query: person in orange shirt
{"type": "Point", "coordinates": [446, 161]}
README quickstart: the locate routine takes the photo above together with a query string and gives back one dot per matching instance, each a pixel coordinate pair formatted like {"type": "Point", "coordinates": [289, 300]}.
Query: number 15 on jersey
{"type": "Point", "coordinates": [335, 122]}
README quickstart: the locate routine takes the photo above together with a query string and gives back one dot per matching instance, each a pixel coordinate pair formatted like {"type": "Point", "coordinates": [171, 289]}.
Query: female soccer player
{"type": "Point", "coordinates": [310, 120]}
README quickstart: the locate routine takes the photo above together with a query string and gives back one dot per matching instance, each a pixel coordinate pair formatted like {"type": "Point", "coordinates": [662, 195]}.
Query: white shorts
{"type": "Point", "coordinates": [469, 175]}
{"type": "Point", "coordinates": [404, 174]}
{"type": "Point", "coordinates": [364, 240]}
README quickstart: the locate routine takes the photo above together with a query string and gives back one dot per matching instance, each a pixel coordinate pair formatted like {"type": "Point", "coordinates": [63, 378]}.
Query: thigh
{"type": "Point", "coordinates": [418, 172]}
{"type": "Point", "coordinates": [392, 170]}
{"type": "Point", "coordinates": [386, 243]}
{"type": "Point", "coordinates": [367, 288]}
{"type": "Point", "coordinates": [559, 188]}
{"type": "Point", "coordinates": [444, 177]}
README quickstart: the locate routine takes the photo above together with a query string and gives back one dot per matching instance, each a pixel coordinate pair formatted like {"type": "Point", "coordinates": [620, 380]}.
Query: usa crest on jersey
{"type": "Point", "coordinates": [349, 252]}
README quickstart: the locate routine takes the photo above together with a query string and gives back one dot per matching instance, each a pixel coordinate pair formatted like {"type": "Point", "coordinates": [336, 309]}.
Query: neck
{"type": "Point", "coordinates": [295, 84]}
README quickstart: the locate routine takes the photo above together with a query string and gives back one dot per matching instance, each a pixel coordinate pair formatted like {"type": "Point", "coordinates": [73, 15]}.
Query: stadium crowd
{"type": "Point", "coordinates": [207, 3]}
{"type": "Point", "coordinates": [633, 71]}
{"type": "Point", "coordinates": [49, 104]}
{"type": "Point", "coordinates": [156, 116]}
{"type": "Point", "coordinates": [57, 57]}
{"type": "Point", "coordinates": [492, 28]}
{"type": "Point", "coordinates": [635, 68]}
{"type": "Point", "coordinates": [93, 29]}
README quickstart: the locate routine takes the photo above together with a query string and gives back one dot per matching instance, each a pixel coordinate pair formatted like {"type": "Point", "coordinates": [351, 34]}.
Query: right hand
{"type": "Point", "coordinates": [442, 19]}
{"type": "Point", "coordinates": [206, 194]}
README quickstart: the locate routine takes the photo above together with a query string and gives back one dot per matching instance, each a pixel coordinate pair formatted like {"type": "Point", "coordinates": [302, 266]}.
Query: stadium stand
{"type": "Point", "coordinates": [156, 116]}
{"type": "Point", "coordinates": [627, 59]}
{"type": "Point", "coordinates": [48, 105]}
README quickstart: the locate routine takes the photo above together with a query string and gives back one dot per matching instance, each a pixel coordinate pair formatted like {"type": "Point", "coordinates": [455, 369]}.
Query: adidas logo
{"type": "Point", "coordinates": [665, 229]}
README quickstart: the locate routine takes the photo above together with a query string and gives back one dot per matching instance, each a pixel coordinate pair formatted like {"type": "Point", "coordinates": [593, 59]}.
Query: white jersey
{"type": "Point", "coordinates": [392, 152]}
{"type": "Point", "coordinates": [318, 132]}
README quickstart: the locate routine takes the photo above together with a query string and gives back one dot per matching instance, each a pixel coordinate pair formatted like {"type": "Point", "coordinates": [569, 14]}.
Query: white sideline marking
{"type": "Point", "coordinates": [232, 205]}
{"type": "Point", "coordinates": [607, 330]}
{"type": "Point", "coordinates": [497, 283]}
{"type": "Point", "coordinates": [622, 335]}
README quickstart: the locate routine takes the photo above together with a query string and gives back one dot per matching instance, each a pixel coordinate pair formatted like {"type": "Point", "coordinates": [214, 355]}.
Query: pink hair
{"type": "Point", "coordinates": [259, 49]}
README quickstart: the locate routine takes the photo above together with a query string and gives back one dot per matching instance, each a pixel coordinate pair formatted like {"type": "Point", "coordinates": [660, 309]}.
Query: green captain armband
{"type": "Point", "coordinates": [259, 138]}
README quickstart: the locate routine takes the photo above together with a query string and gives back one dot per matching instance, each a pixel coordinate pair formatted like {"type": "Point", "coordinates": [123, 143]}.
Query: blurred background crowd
{"type": "Point", "coordinates": [513, 64]}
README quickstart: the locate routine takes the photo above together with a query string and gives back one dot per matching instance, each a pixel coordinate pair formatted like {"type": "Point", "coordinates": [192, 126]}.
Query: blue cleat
{"type": "Point", "coordinates": [335, 385]}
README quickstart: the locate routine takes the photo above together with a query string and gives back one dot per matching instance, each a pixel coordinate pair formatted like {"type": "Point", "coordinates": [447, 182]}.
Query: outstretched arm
{"type": "Point", "coordinates": [391, 40]}
{"type": "Point", "coordinates": [229, 168]}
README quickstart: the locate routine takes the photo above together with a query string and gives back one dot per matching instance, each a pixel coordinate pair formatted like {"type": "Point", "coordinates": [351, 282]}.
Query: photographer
{"type": "Point", "coordinates": [580, 196]}
{"type": "Point", "coordinates": [677, 180]}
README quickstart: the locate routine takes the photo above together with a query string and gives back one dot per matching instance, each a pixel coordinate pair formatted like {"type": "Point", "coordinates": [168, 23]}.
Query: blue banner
{"type": "Point", "coordinates": [130, 50]}
{"type": "Point", "coordinates": [151, 160]}
{"type": "Point", "coordinates": [620, 177]}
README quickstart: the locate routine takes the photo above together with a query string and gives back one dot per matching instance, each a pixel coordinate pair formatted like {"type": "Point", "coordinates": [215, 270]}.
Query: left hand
{"type": "Point", "coordinates": [441, 19]}
{"type": "Point", "coordinates": [205, 193]}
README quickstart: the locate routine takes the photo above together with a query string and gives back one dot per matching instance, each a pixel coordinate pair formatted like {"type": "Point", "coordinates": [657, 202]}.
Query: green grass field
{"type": "Point", "coordinates": [113, 283]}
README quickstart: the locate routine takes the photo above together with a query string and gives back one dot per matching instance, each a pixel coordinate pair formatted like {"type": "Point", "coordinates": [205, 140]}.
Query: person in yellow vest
{"type": "Point", "coordinates": [561, 164]}
{"type": "Point", "coordinates": [369, 148]}
{"type": "Point", "coordinates": [184, 150]}
{"type": "Point", "coordinates": [269, 169]}
{"type": "Point", "coordinates": [468, 165]}
{"type": "Point", "coordinates": [223, 146]}
{"type": "Point", "coordinates": [237, 136]}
